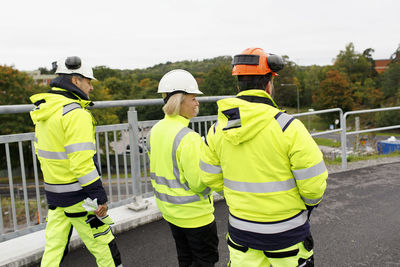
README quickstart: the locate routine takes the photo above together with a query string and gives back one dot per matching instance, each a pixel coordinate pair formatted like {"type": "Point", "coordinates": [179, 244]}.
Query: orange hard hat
{"type": "Point", "coordinates": [254, 61]}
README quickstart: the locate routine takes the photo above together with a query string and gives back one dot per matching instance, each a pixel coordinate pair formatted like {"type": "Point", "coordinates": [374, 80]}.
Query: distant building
{"type": "Point", "coordinates": [41, 78]}
{"type": "Point", "coordinates": [383, 64]}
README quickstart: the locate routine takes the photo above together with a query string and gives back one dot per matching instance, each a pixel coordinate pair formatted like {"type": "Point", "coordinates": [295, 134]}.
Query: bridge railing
{"type": "Point", "coordinates": [345, 133]}
{"type": "Point", "coordinates": [122, 158]}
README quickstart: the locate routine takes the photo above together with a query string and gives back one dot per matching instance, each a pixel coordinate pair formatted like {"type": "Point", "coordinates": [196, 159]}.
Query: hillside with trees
{"type": "Point", "coordinates": [351, 83]}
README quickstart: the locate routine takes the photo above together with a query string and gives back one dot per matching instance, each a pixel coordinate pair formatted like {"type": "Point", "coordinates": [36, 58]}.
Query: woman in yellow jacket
{"type": "Point", "coordinates": [269, 168]}
{"type": "Point", "coordinates": [174, 150]}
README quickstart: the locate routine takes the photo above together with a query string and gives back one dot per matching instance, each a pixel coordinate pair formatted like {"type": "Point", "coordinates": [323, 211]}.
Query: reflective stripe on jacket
{"type": "Point", "coordinates": [264, 160]}
{"type": "Point", "coordinates": [65, 146]}
{"type": "Point", "coordinates": [174, 168]}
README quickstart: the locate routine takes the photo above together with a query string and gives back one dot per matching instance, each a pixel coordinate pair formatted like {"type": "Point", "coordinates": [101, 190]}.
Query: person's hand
{"type": "Point", "coordinates": [101, 210]}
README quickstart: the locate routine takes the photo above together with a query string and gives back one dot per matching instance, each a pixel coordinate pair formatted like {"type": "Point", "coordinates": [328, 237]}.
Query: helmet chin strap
{"type": "Point", "coordinates": [171, 94]}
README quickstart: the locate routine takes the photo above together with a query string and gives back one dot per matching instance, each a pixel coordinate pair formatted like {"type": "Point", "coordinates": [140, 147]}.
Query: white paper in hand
{"type": "Point", "coordinates": [90, 204]}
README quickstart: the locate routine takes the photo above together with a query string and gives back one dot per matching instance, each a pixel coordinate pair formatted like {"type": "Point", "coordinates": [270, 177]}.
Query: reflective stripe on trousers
{"type": "Point", "coordinates": [268, 228]}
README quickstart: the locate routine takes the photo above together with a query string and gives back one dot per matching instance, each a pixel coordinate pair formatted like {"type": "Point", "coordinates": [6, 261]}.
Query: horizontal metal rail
{"type": "Point", "coordinates": [374, 130]}
{"type": "Point", "coordinates": [14, 109]}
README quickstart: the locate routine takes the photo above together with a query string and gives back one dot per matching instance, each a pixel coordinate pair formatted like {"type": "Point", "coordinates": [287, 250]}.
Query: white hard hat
{"type": "Point", "coordinates": [178, 80]}
{"type": "Point", "coordinates": [74, 65]}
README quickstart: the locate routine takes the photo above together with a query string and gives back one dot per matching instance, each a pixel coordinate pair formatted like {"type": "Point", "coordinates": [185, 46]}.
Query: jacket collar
{"type": "Point", "coordinates": [64, 83]}
{"type": "Point", "coordinates": [257, 96]}
{"type": "Point", "coordinates": [178, 118]}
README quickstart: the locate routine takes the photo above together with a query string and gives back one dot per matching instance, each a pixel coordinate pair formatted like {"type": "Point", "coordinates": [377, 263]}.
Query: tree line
{"type": "Point", "coordinates": [350, 83]}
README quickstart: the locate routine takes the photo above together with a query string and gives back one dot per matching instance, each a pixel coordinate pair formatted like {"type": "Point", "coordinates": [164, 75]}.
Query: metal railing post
{"type": "Point", "coordinates": [134, 152]}
{"type": "Point", "coordinates": [24, 188]}
{"type": "Point", "coordinates": [138, 203]}
{"type": "Point", "coordinates": [11, 185]}
{"type": "Point", "coordinates": [1, 219]}
{"type": "Point", "coordinates": [343, 140]}
{"type": "Point", "coordinates": [37, 188]}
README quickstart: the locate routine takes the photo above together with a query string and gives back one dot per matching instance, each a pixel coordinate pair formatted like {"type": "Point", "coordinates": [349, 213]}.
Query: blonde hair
{"type": "Point", "coordinates": [173, 105]}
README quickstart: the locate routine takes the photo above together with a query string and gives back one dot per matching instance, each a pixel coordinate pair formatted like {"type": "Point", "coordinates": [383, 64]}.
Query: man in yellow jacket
{"type": "Point", "coordinates": [174, 150]}
{"type": "Point", "coordinates": [268, 167]}
{"type": "Point", "coordinates": [65, 146]}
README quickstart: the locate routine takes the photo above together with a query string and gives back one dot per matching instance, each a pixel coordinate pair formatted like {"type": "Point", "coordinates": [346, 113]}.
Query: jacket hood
{"type": "Point", "coordinates": [240, 120]}
{"type": "Point", "coordinates": [64, 83]}
{"type": "Point", "coordinates": [49, 103]}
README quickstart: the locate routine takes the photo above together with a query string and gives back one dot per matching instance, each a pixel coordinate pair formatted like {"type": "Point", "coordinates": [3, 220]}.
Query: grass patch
{"type": "Point", "coordinates": [335, 161]}
{"type": "Point", "coordinates": [20, 211]}
{"type": "Point", "coordinates": [326, 142]}
{"type": "Point", "coordinates": [353, 158]}
{"type": "Point", "coordinates": [387, 134]}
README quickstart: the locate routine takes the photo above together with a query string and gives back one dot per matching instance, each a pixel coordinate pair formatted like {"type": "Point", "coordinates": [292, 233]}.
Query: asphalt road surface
{"type": "Point", "coordinates": [357, 224]}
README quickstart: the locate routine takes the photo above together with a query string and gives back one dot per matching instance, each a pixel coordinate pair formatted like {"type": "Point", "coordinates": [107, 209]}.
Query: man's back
{"type": "Point", "coordinates": [258, 159]}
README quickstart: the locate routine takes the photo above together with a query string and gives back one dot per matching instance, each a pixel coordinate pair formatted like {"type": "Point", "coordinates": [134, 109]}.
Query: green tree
{"type": "Point", "coordinates": [102, 72]}
{"type": "Point", "coordinates": [368, 55]}
{"type": "Point", "coordinates": [335, 91]}
{"type": "Point", "coordinates": [391, 83]}
{"type": "Point", "coordinates": [103, 116]}
{"type": "Point", "coordinates": [147, 89]}
{"type": "Point", "coordinates": [118, 89]}
{"type": "Point", "coordinates": [367, 96]}
{"type": "Point", "coordinates": [15, 88]}
{"type": "Point", "coordinates": [355, 65]}
{"type": "Point", "coordinates": [387, 118]}
{"type": "Point", "coordinates": [44, 70]}
{"type": "Point", "coordinates": [286, 85]}
{"type": "Point", "coordinates": [310, 78]}
{"type": "Point", "coordinates": [218, 81]}
{"type": "Point", "coordinates": [193, 66]}
{"type": "Point", "coordinates": [391, 91]}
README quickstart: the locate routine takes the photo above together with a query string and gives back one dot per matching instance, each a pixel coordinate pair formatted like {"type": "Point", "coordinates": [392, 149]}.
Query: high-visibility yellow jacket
{"type": "Point", "coordinates": [265, 162]}
{"type": "Point", "coordinates": [174, 152]}
{"type": "Point", "coordinates": [65, 147]}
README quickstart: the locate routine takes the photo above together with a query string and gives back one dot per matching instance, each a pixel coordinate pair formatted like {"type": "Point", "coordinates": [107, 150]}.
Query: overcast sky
{"type": "Point", "coordinates": [136, 34]}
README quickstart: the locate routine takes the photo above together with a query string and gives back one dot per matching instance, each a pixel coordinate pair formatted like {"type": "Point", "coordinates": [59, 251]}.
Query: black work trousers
{"type": "Point", "coordinates": [196, 247]}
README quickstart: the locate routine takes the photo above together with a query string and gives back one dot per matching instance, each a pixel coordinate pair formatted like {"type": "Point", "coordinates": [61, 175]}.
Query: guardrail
{"type": "Point", "coordinates": [122, 158]}
{"type": "Point", "coordinates": [344, 133]}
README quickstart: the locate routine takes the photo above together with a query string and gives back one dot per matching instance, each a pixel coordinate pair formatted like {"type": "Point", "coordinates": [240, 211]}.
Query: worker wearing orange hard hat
{"type": "Point", "coordinates": [267, 166]}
